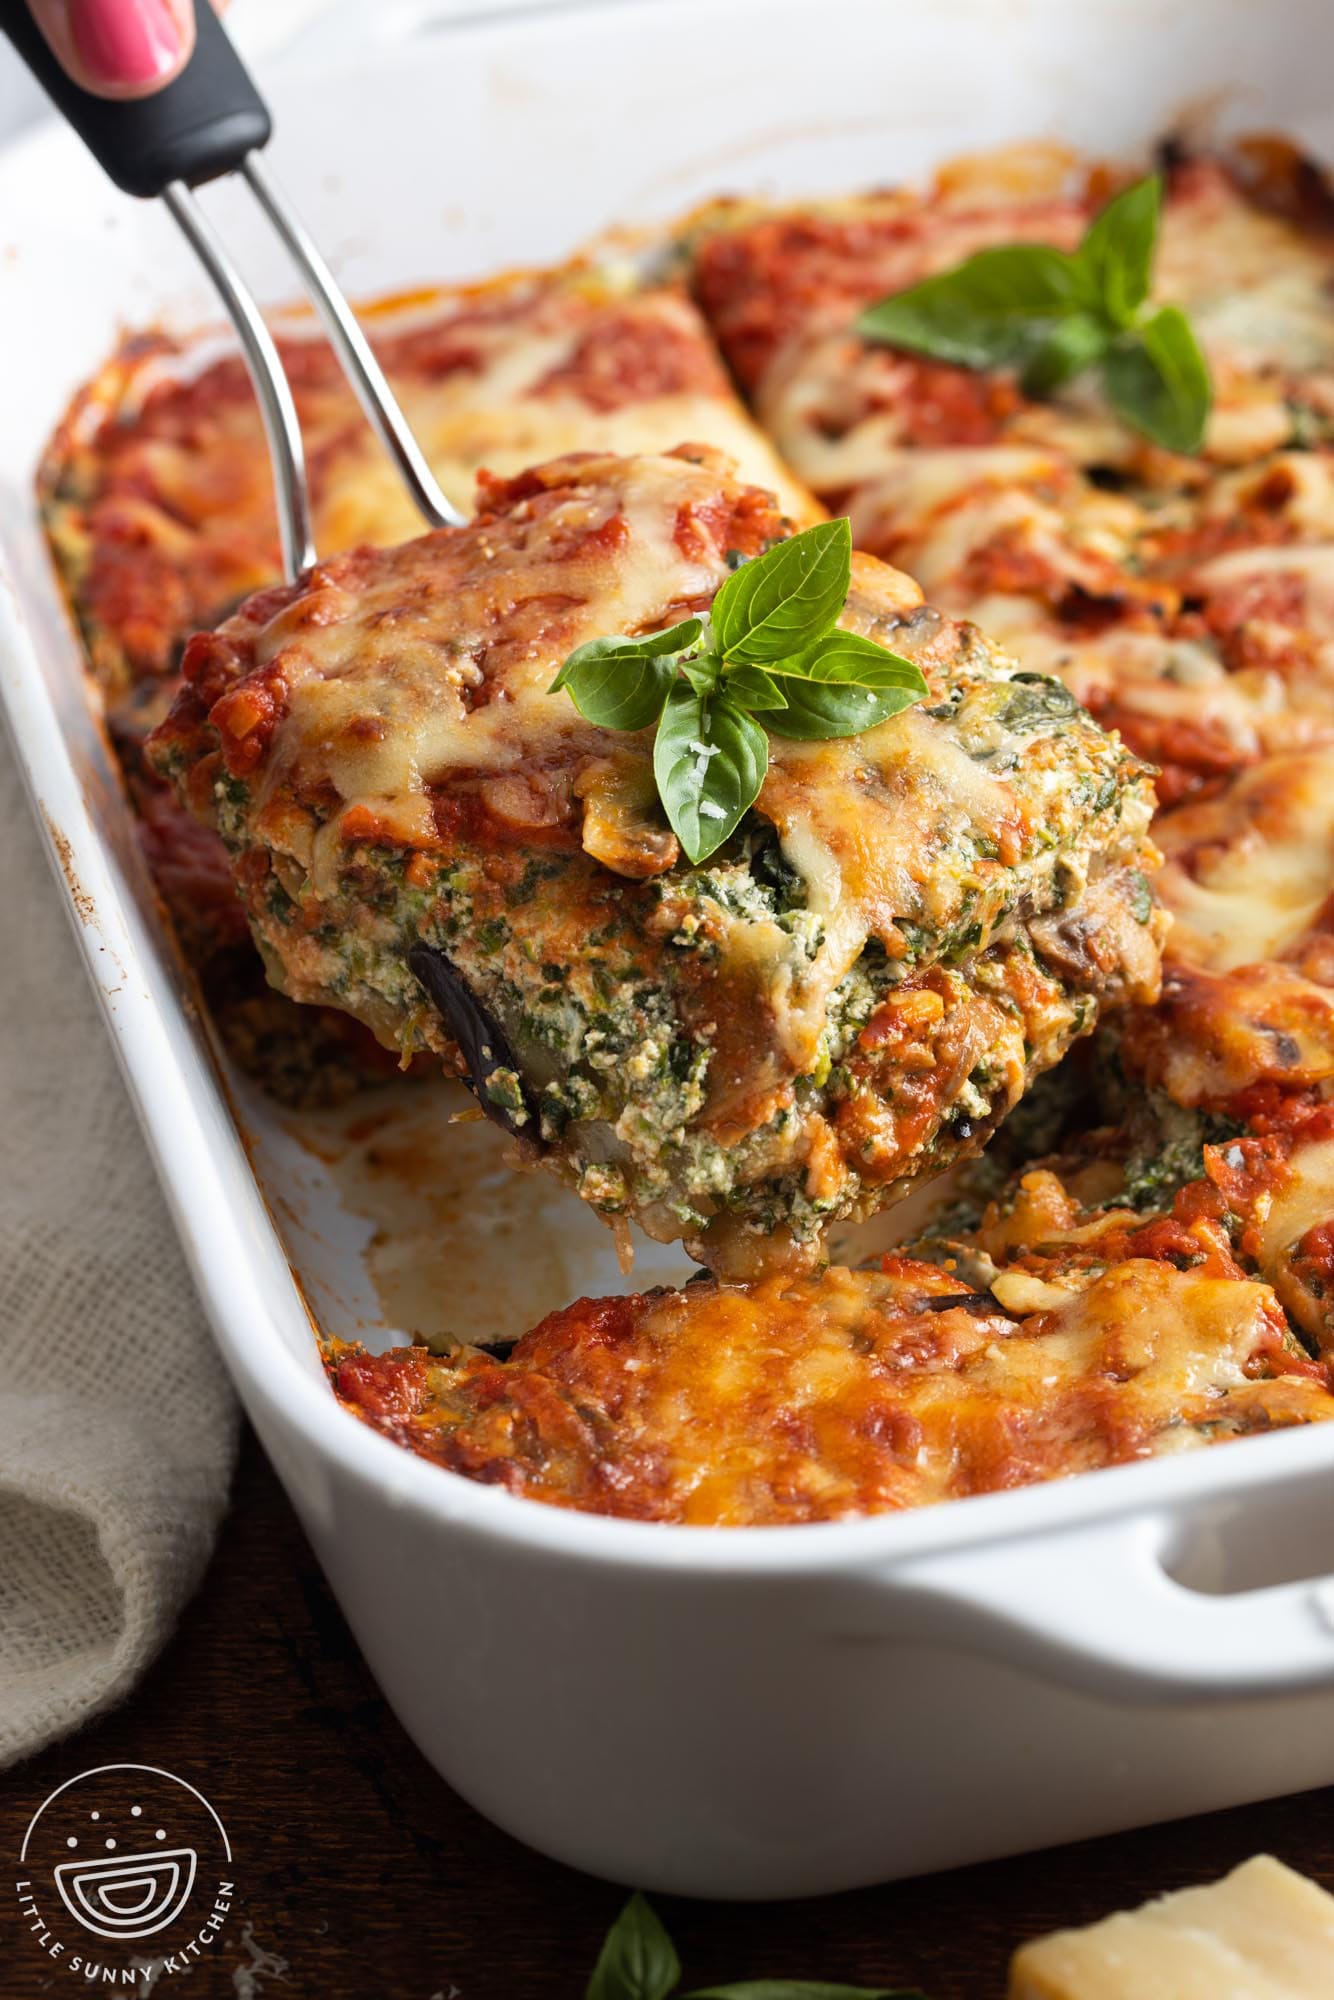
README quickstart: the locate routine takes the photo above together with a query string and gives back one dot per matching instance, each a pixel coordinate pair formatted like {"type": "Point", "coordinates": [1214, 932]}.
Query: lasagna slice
{"type": "Point", "coordinates": [852, 992]}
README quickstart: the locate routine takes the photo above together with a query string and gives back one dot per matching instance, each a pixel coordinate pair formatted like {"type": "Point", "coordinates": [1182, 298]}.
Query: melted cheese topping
{"type": "Point", "coordinates": [856, 1393]}
{"type": "Point", "coordinates": [984, 496]}
{"type": "Point", "coordinates": [1297, 485]}
{"type": "Point", "coordinates": [1247, 874]}
{"type": "Point", "coordinates": [438, 658]}
{"type": "Point", "coordinates": [398, 682]}
{"type": "Point", "coordinates": [1303, 1200]}
{"type": "Point", "coordinates": [1218, 1035]}
{"type": "Point", "coordinates": [902, 443]}
{"type": "Point", "coordinates": [1254, 284]}
{"type": "Point", "coordinates": [1155, 679]}
{"type": "Point", "coordinates": [864, 807]}
{"type": "Point", "coordinates": [1312, 568]}
{"type": "Point", "coordinates": [466, 425]}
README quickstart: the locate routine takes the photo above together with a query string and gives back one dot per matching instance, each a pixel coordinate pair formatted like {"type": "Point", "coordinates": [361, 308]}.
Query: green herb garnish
{"type": "Point", "coordinates": [1052, 314]}
{"type": "Point", "coordinates": [769, 646]}
{"type": "Point", "coordinates": [638, 1962]}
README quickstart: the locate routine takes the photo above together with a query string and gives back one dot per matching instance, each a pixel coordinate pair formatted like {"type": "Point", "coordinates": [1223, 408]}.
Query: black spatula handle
{"type": "Point", "coordinates": [200, 125]}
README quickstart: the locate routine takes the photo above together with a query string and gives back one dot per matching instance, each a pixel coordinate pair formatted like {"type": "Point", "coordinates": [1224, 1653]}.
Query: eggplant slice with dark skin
{"type": "Point", "coordinates": [491, 1068]}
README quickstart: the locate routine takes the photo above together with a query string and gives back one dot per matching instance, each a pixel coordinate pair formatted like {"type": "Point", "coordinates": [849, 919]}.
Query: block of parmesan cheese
{"type": "Point", "coordinates": [1262, 1933]}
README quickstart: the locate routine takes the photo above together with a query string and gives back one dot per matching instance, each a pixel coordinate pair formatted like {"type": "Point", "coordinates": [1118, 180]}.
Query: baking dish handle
{"type": "Point", "coordinates": [1096, 1606]}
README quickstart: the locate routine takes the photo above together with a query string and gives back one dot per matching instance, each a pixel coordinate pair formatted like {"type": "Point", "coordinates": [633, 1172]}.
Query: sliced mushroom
{"type": "Point", "coordinates": [623, 826]}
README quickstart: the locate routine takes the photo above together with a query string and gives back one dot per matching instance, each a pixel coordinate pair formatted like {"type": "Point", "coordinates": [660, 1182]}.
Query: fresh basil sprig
{"type": "Point", "coordinates": [769, 647]}
{"type": "Point", "coordinates": [1054, 313]}
{"type": "Point", "coordinates": [639, 1962]}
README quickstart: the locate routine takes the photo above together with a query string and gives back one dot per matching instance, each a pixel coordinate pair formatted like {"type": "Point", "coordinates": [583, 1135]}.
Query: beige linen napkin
{"type": "Point", "coordinates": [117, 1427]}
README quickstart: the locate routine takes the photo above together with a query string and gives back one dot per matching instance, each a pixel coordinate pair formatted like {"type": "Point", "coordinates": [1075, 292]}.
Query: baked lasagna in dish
{"type": "Point", "coordinates": [850, 993]}
{"type": "Point", "coordinates": [940, 935]}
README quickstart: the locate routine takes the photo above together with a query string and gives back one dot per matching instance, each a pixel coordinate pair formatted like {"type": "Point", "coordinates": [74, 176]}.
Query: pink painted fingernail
{"type": "Point", "coordinates": [126, 41]}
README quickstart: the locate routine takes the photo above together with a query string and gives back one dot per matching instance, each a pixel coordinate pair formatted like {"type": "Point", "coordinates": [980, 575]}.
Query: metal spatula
{"type": "Point", "coordinates": [209, 122]}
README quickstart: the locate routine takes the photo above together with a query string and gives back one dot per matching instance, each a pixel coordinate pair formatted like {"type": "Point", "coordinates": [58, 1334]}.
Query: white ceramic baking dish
{"type": "Point", "coordinates": [767, 1712]}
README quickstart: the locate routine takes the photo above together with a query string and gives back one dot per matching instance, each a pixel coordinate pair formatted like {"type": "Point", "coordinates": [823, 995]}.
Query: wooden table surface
{"type": "Point", "coordinates": [361, 1876]}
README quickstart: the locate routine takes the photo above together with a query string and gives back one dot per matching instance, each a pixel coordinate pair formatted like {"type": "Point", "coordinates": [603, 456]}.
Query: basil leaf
{"type": "Point", "coordinates": [802, 1989]}
{"type": "Point", "coordinates": [648, 646]}
{"type": "Point", "coordinates": [638, 1961]}
{"type": "Point", "coordinates": [623, 683]}
{"type": "Point", "coordinates": [817, 714]}
{"type": "Point", "coordinates": [852, 658]}
{"type": "Point", "coordinates": [709, 760]}
{"type": "Point", "coordinates": [754, 688]}
{"type": "Point", "coordinates": [1052, 316]}
{"type": "Point", "coordinates": [1158, 380]}
{"type": "Point", "coordinates": [1066, 348]}
{"type": "Point", "coordinates": [981, 314]}
{"type": "Point", "coordinates": [703, 672]}
{"type": "Point", "coordinates": [1116, 255]}
{"type": "Point", "coordinates": [620, 693]}
{"type": "Point", "coordinates": [844, 684]}
{"type": "Point", "coordinates": [774, 604]}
